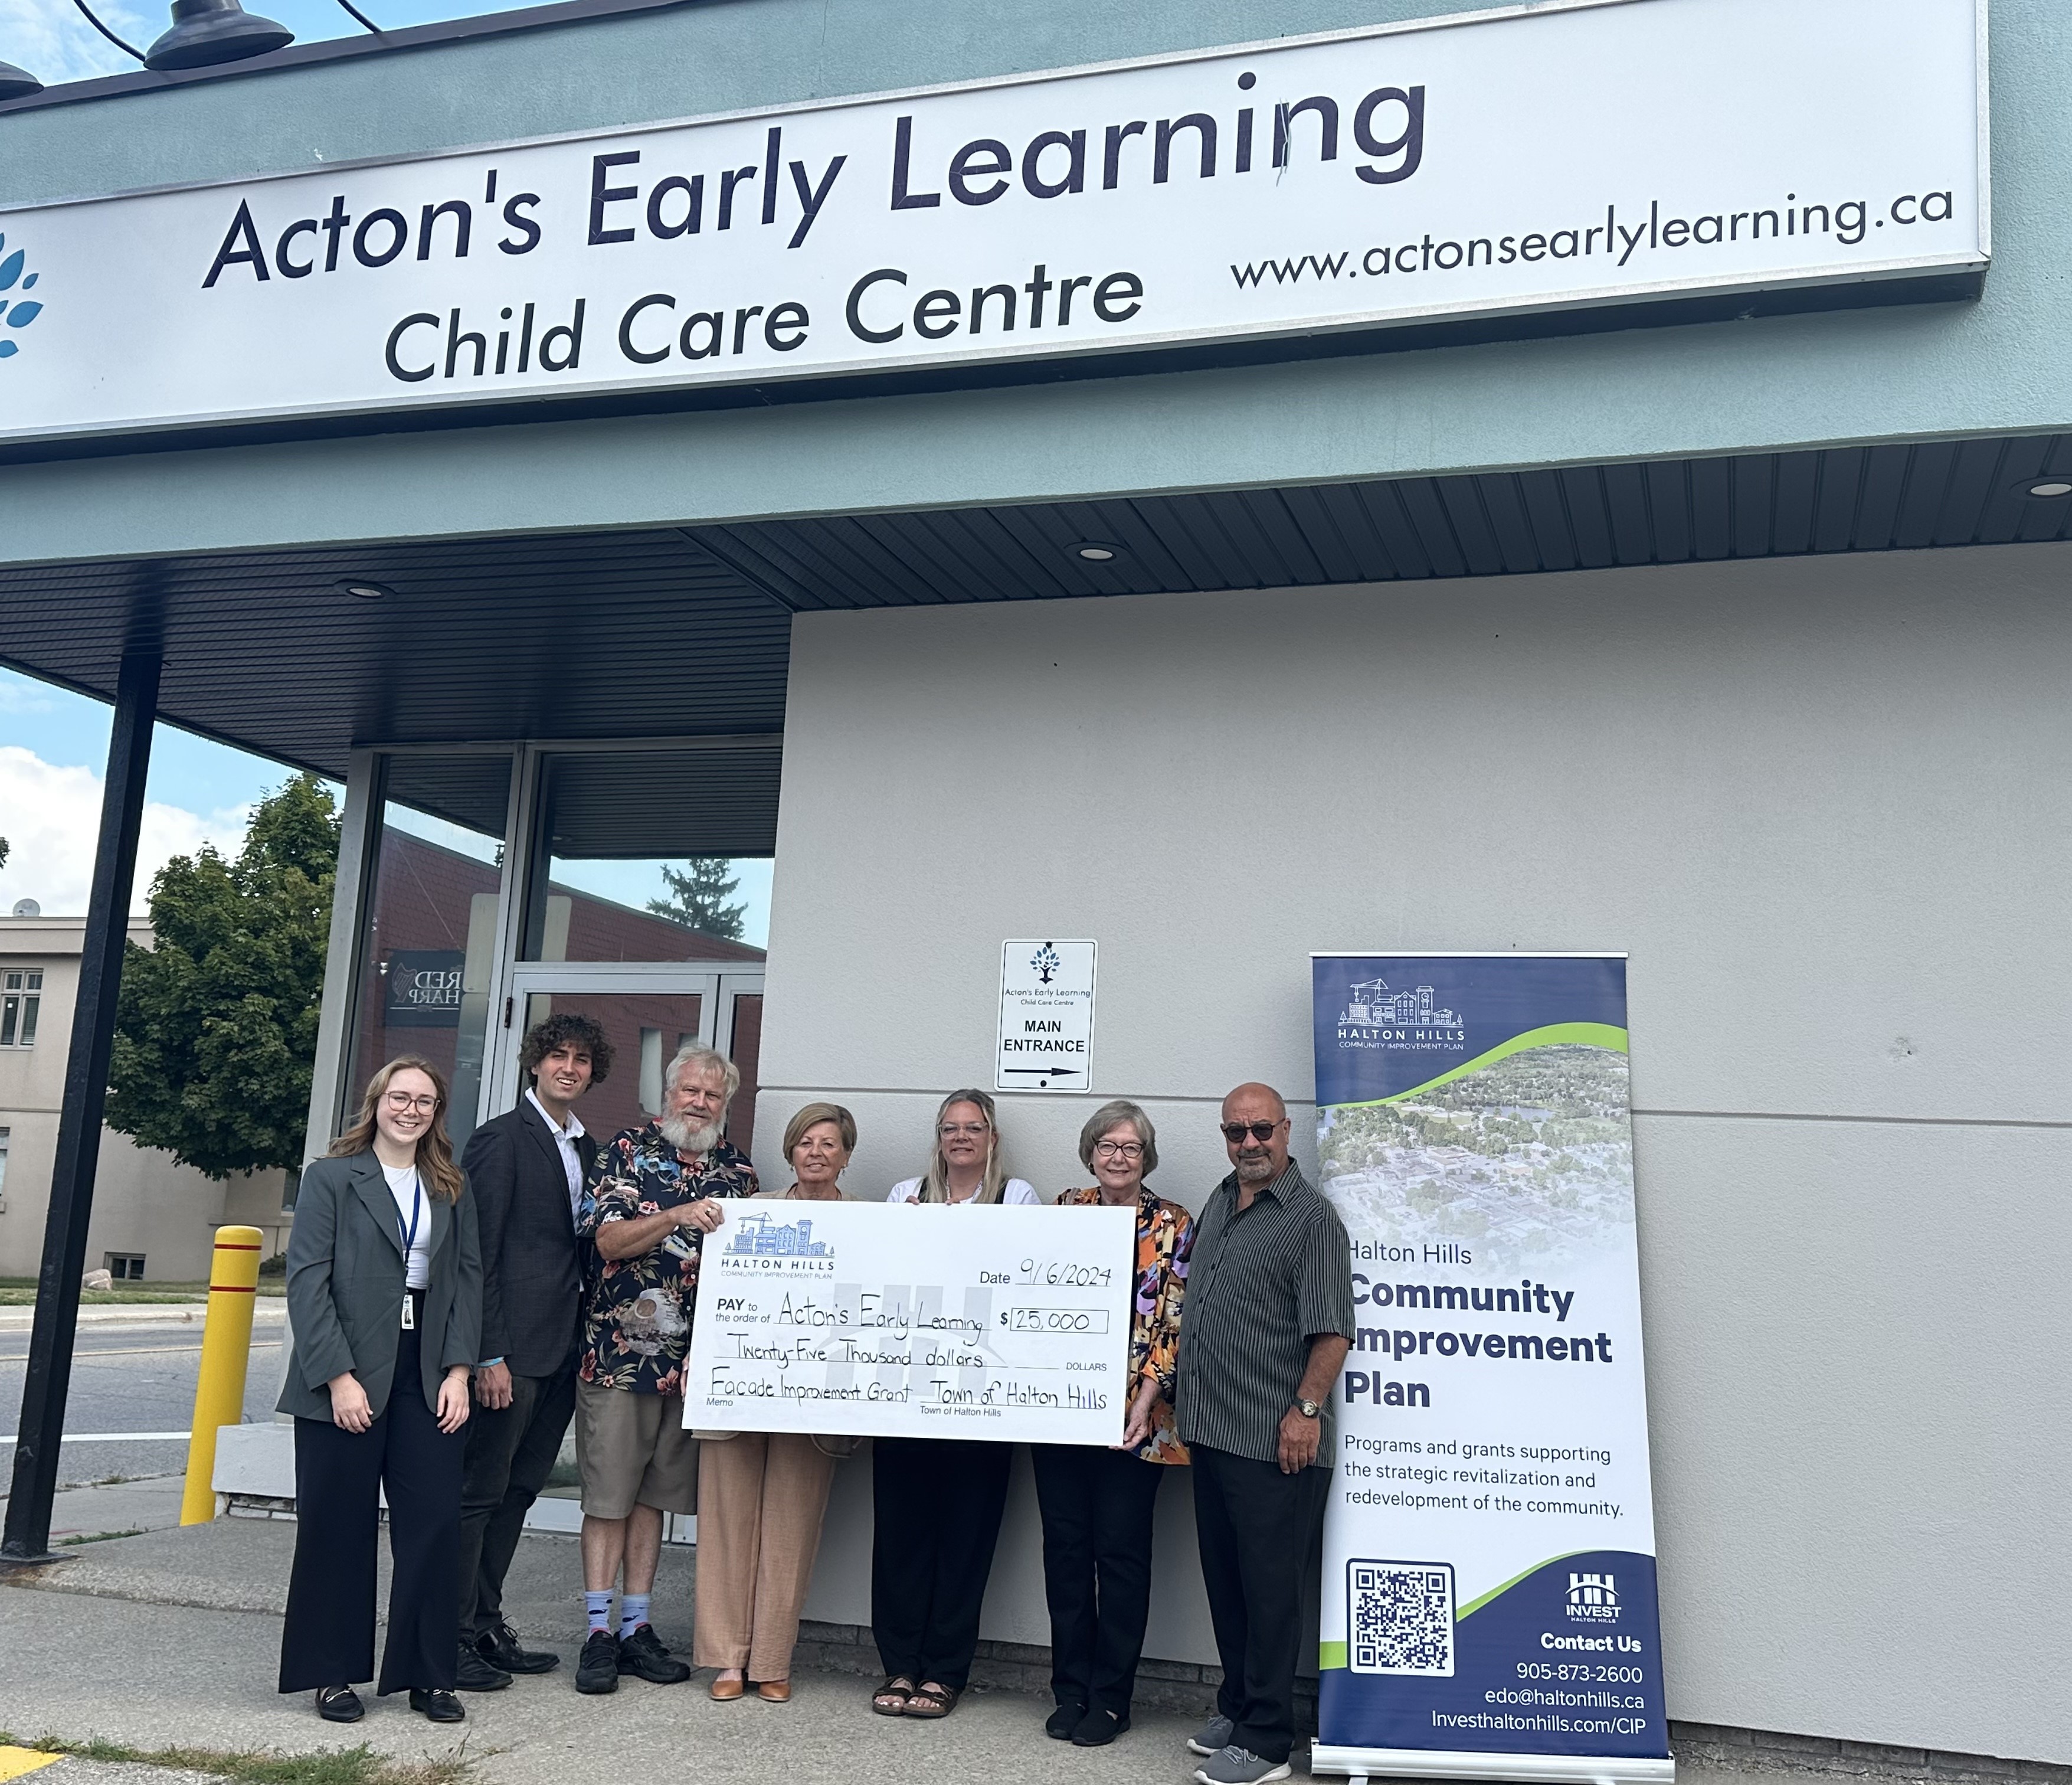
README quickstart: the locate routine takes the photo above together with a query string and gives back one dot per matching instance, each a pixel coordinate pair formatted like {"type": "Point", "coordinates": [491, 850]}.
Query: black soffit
{"type": "Point", "coordinates": [1591, 517]}
{"type": "Point", "coordinates": [683, 633]}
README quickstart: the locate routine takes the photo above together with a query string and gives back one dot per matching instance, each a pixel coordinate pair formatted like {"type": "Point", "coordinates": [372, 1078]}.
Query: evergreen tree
{"type": "Point", "coordinates": [215, 1026]}
{"type": "Point", "coordinates": [697, 898]}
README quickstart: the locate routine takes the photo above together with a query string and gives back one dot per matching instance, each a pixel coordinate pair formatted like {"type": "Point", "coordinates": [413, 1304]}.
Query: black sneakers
{"type": "Point", "coordinates": [339, 1704]}
{"type": "Point", "coordinates": [597, 1668]}
{"type": "Point", "coordinates": [472, 1672]}
{"type": "Point", "coordinates": [642, 1655]}
{"type": "Point", "coordinates": [501, 1648]}
{"type": "Point", "coordinates": [440, 1705]}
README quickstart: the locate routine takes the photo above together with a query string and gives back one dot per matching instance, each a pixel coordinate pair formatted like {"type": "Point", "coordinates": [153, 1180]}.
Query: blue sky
{"type": "Point", "coordinates": [50, 40]}
{"type": "Point", "coordinates": [54, 749]}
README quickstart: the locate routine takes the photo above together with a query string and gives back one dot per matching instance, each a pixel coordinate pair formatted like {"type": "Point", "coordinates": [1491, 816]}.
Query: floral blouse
{"type": "Point", "coordinates": [1165, 1239]}
{"type": "Point", "coordinates": [637, 1317]}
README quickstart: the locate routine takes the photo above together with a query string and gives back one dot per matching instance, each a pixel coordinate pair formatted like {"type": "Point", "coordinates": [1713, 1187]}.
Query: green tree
{"type": "Point", "coordinates": [3, 852]}
{"type": "Point", "coordinates": [697, 898]}
{"type": "Point", "coordinates": [215, 1027]}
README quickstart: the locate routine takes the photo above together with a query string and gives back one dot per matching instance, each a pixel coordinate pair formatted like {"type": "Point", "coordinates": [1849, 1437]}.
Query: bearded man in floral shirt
{"type": "Point", "coordinates": [654, 1195]}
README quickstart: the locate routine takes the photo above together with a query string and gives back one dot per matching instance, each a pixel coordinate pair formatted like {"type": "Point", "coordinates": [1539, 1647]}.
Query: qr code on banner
{"type": "Point", "coordinates": [1399, 1616]}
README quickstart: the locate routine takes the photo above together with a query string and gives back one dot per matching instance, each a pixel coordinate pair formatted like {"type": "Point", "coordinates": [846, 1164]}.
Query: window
{"type": "Point", "coordinates": [21, 992]}
{"type": "Point", "coordinates": [125, 1266]}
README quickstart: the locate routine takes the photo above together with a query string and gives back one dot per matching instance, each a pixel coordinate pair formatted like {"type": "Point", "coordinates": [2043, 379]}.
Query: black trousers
{"type": "Point", "coordinates": [1257, 1528]}
{"type": "Point", "coordinates": [328, 1639]}
{"type": "Point", "coordinates": [510, 1452]}
{"type": "Point", "coordinates": [1097, 1506]}
{"type": "Point", "coordinates": [937, 1506]}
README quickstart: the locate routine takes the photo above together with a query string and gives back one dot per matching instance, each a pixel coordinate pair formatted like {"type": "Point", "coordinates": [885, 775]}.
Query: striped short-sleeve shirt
{"type": "Point", "coordinates": [1263, 1283]}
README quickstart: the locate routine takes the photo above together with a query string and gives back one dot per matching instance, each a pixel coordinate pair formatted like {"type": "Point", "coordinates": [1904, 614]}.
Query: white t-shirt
{"type": "Point", "coordinates": [1016, 1190]}
{"type": "Point", "coordinates": [409, 1194]}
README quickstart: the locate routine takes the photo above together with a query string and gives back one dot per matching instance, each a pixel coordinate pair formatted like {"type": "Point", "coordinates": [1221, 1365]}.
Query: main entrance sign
{"type": "Point", "coordinates": [1582, 153]}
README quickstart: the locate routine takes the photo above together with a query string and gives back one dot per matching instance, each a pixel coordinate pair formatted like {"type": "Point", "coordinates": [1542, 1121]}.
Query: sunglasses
{"type": "Point", "coordinates": [1235, 1132]}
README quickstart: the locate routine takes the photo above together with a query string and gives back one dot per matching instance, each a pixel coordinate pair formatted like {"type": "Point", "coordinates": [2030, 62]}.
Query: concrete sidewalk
{"type": "Point", "coordinates": [173, 1638]}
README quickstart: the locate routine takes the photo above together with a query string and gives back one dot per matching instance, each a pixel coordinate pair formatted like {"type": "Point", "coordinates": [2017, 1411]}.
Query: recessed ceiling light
{"type": "Point", "coordinates": [363, 591]}
{"type": "Point", "coordinates": [1097, 551]}
{"type": "Point", "coordinates": [2051, 487]}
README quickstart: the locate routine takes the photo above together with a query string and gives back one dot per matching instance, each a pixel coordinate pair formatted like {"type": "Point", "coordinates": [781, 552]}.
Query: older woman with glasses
{"type": "Point", "coordinates": [938, 1501]}
{"type": "Point", "coordinates": [762, 1496]}
{"type": "Point", "coordinates": [1097, 1505]}
{"type": "Point", "coordinates": [385, 1300]}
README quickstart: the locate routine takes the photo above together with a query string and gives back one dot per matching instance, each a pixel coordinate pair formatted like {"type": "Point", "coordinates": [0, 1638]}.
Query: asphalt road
{"type": "Point", "coordinates": [135, 1377]}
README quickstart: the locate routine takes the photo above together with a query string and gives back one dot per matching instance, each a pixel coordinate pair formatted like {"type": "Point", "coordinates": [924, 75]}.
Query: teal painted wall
{"type": "Point", "coordinates": [1999, 365]}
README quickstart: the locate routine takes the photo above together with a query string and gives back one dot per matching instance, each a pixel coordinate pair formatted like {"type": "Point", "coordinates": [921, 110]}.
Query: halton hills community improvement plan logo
{"type": "Point", "coordinates": [1377, 1018]}
{"type": "Point", "coordinates": [15, 312]}
{"type": "Point", "coordinates": [781, 1246]}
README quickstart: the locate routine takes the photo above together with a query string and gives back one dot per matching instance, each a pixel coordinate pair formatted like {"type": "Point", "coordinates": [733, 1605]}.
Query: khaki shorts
{"type": "Point", "coordinates": [632, 1449]}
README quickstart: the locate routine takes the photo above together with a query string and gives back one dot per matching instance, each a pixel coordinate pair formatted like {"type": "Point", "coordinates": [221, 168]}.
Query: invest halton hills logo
{"type": "Point", "coordinates": [15, 312]}
{"type": "Point", "coordinates": [786, 1244]}
{"type": "Point", "coordinates": [1414, 1022]}
{"type": "Point", "coordinates": [1593, 1599]}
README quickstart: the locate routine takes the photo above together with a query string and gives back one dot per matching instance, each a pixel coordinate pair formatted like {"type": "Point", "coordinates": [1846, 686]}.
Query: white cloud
{"type": "Point", "coordinates": [50, 40]}
{"type": "Point", "coordinates": [50, 817]}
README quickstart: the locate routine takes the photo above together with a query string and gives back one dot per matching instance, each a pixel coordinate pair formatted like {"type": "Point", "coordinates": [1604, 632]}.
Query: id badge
{"type": "Point", "coordinates": [409, 1312]}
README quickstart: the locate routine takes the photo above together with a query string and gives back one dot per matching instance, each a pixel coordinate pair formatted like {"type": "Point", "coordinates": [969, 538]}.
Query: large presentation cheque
{"type": "Point", "coordinates": [916, 1320]}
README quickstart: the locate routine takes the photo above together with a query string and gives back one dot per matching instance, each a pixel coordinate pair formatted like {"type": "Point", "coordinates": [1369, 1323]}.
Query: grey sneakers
{"type": "Point", "coordinates": [1235, 1765]}
{"type": "Point", "coordinates": [1213, 1736]}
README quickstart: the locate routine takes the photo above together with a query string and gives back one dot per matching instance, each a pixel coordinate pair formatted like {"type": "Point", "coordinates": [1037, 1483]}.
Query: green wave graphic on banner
{"type": "Point", "coordinates": [1552, 1034]}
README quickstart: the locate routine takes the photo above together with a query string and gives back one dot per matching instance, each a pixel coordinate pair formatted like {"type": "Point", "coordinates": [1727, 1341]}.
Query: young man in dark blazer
{"type": "Point", "coordinates": [526, 1170]}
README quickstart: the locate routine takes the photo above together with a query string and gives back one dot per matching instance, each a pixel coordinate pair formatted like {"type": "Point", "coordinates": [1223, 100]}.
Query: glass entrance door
{"type": "Point", "coordinates": [647, 1012]}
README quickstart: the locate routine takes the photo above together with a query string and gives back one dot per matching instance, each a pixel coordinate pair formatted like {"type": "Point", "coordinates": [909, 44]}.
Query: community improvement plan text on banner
{"type": "Point", "coordinates": [1489, 1594]}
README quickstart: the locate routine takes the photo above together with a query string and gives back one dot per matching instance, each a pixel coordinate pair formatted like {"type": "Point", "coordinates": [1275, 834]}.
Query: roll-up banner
{"type": "Point", "coordinates": [1488, 1595]}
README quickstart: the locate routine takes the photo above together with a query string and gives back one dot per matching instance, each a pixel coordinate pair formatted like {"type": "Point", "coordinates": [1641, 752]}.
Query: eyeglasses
{"type": "Point", "coordinates": [401, 1100]}
{"type": "Point", "coordinates": [1235, 1132]}
{"type": "Point", "coordinates": [950, 1130]}
{"type": "Point", "coordinates": [1128, 1151]}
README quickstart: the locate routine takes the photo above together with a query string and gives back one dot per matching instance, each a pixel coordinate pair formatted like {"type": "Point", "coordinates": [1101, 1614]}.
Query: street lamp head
{"type": "Point", "coordinates": [205, 32]}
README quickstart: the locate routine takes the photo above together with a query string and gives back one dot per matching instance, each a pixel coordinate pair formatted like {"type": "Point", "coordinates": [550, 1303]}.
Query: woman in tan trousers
{"type": "Point", "coordinates": [762, 1496]}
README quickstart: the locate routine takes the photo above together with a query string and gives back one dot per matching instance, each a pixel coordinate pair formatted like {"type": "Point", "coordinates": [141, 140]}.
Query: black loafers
{"type": "Point", "coordinates": [437, 1702]}
{"type": "Point", "coordinates": [1064, 1720]}
{"type": "Point", "coordinates": [1098, 1729]}
{"type": "Point", "coordinates": [472, 1672]}
{"type": "Point", "coordinates": [501, 1648]}
{"type": "Point", "coordinates": [339, 1704]}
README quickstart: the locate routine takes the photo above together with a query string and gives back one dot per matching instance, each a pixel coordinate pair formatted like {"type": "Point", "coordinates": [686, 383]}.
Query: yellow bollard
{"type": "Point", "coordinates": [226, 1348]}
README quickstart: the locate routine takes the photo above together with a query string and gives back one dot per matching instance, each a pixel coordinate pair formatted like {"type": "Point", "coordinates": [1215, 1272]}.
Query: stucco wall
{"type": "Point", "coordinates": [1823, 804]}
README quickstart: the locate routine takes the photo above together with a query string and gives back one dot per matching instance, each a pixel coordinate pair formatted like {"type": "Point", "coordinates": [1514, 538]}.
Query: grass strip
{"type": "Point", "coordinates": [357, 1765]}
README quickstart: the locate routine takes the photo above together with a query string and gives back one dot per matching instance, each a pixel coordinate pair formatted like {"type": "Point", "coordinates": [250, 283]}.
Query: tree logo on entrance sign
{"type": "Point", "coordinates": [1045, 963]}
{"type": "Point", "coordinates": [17, 312]}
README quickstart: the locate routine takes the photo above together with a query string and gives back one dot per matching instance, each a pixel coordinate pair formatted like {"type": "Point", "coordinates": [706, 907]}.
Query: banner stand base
{"type": "Point", "coordinates": [1360, 1764]}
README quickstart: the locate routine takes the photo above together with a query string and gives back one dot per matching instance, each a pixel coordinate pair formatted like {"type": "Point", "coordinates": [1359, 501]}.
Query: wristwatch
{"type": "Point", "coordinates": [1308, 1410]}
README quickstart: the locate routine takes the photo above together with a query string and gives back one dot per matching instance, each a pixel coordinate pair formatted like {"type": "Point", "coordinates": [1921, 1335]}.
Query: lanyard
{"type": "Point", "coordinates": [416, 1209]}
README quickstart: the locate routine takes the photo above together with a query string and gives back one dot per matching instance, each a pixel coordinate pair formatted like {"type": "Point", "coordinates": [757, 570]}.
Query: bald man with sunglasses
{"type": "Point", "coordinates": [1268, 1323]}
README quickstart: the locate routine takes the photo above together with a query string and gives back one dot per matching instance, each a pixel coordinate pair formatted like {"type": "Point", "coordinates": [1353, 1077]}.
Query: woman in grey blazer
{"type": "Point", "coordinates": [385, 1300]}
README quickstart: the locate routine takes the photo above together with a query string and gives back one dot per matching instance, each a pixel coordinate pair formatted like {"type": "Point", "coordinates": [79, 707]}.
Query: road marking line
{"type": "Point", "coordinates": [152, 1351]}
{"type": "Point", "coordinates": [15, 1762]}
{"type": "Point", "coordinates": [114, 1438]}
